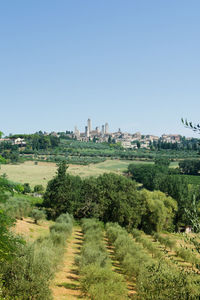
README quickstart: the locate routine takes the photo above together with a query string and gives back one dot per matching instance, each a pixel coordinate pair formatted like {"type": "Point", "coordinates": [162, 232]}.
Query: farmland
{"type": "Point", "coordinates": [92, 248]}
{"type": "Point", "coordinates": [119, 265]}
{"type": "Point", "coordinates": [42, 172]}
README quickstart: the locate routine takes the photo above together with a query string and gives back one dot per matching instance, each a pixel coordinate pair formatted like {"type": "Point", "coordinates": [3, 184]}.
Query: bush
{"type": "Point", "coordinates": [166, 241]}
{"type": "Point", "coordinates": [61, 228]}
{"type": "Point", "coordinates": [187, 255]}
{"type": "Point", "coordinates": [27, 188]}
{"type": "Point", "coordinates": [98, 281]}
{"type": "Point", "coordinates": [38, 188]}
{"type": "Point", "coordinates": [17, 208]}
{"type": "Point", "coordinates": [37, 215]}
{"type": "Point", "coordinates": [155, 279]}
{"type": "Point", "coordinates": [102, 283]}
{"type": "Point", "coordinates": [159, 281]}
{"type": "Point", "coordinates": [28, 275]}
{"type": "Point", "coordinates": [65, 218]}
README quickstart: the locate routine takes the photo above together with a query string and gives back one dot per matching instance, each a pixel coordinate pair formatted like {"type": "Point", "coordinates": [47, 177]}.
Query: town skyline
{"type": "Point", "coordinates": [82, 128]}
{"type": "Point", "coordinates": [137, 70]}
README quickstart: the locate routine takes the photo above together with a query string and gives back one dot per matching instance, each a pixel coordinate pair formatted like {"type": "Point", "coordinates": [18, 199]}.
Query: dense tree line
{"type": "Point", "coordinates": [109, 197]}
{"type": "Point", "coordinates": [160, 177]}
{"type": "Point", "coordinates": [190, 166]}
{"type": "Point", "coordinates": [184, 144]}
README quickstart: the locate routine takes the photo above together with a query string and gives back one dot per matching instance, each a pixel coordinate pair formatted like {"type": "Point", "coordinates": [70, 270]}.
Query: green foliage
{"type": "Point", "coordinates": [130, 255]}
{"type": "Point", "coordinates": [102, 283]}
{"type": "Point", "coordinates": [188, 255]}
{"type": "Point", "coordinates": [2, 160]}
{"type": "Point", "coordinates": [162, 161]}
{"type": "Point", "coordinates": [28, 274]}
{"type": "Point", "coordinates": [17, 207]}
{"type": "Point", "coordinates": [161, 281]}
{"type": "Point", "coordinates": [109, 197]}
{"type": "Point", "coordinates": [155, 279]}
{"type": "Point", "coordinates": [158, 178]}
{"type": "Point", "coordinates": [8, 242]}
{"type": "Point", "coordinates": [98, 281]}
{"type": "Point", "coordinates": [119, 200]}
{"type": "Point", "coordinates": [38, 188]}
{"type": "Point", "coordinates": [147, 243]}
{"type": "Point", "coordinates": [189, 166]}
{"type": "Point", "coordinates": [61, 192]}
{"type": "Point", "coordinates": [27, 188]}
{"type": "Point", "coordinates": [65, 218]}
{"type": "Point", "coordinates": [37, 214]}
{"type": "Point", "coordinates": [144, 174]}
{"type": "Point", "coordinates": [160, 211]}
{"type": "Point", "coordinates": [165, 240]}
{"type": "Point", "coordinates": [61, 227]}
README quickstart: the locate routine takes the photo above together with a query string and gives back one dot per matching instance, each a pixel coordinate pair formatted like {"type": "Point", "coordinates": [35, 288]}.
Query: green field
{"type": "Point", "coordinates": [43, 171]}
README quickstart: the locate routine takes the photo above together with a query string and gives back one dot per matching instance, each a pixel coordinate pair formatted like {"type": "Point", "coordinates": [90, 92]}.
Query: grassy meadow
{"type": "Point", "coordinates": [44, 171]}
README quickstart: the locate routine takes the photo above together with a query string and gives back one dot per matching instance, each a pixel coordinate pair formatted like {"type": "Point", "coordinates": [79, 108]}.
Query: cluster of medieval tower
{"type": "Point", "coordinates": [89, 132]}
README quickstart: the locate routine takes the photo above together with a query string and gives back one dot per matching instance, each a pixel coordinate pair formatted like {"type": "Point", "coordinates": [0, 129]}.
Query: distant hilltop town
{"type": "Point", "coordinates": [127, 140]}
{"type": "Point", "coordinates": [102, 134]}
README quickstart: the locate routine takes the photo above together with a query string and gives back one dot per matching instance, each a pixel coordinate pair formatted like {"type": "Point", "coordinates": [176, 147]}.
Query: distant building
{"type": "Point", "coordinates": [97, 130]}
{"type": "Point", "coordinates": [5, 140]}
{"type": "Point", "coordinates": [76, 132]}
{"type": "Point", "coordinates": [89, 125]}
{"type": "Point", "coordinates": [87, 133]}
{"type": "Point", "coordinates": [171, 138]}
{"type": "Point", "coordinates": [106, 128]}
{"type": "Point", "coordinates": [137, 135]}
{"type": "Point", "coordinates": [102, 130]}
{"type": "Point", "coordinates": [20, 142]}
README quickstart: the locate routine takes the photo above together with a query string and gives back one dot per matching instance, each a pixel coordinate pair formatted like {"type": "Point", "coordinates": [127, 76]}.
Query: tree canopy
{"type": "Point", "coordinates": [110, 198]}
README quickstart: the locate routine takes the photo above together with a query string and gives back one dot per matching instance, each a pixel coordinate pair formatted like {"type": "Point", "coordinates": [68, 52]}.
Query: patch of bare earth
{"type": "Point", "coordinates": [66, 283]}
{"type": "Point", "coordinates": [117, 268]}
{"type": "Point", "coordinates": [29, 230]}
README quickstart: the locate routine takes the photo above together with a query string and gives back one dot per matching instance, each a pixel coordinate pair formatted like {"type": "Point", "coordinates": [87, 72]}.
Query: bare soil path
{"type": "Point", "coordinates": [66, 283]}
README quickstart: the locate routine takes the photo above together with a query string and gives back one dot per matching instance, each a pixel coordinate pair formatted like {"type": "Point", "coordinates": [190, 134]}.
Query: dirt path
{"type": "Point", "coordinates": [117, 268]}
{"type": "Point", "coordinates": [66, 282]}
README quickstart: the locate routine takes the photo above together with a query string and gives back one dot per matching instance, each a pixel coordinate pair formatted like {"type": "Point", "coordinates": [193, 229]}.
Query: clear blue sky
{"type": "Point", "coordinates": [134, 64]}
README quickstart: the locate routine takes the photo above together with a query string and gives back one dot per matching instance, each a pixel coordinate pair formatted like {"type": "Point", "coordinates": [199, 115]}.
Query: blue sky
{"type": "Point", "coordinates": [133, 64]}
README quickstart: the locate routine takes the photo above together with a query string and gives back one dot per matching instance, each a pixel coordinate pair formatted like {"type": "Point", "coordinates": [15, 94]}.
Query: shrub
{"type": "Point", "coordinates": [27, 188]}
{"type": "Point", "coordinates": [187, 255]}
{"type": "Point", "coordinates": [17, 208]}
{"type": "Point", "coordinates": [61, 227]}
{"type": "Point", "coordinates": [28, 275]}
{"type": "Point", "coordinates": [159, 281]}
{"type": "Point", "coordinates": [102, 283]}
{"type": "Point", "coordinates": [38, 188]}
{"type": "Point", "coordinates": [98, 281]}
{"type": "Point", "coordinates": [37, 215]}
{"type": "Point", "coordinates": [65, 218]}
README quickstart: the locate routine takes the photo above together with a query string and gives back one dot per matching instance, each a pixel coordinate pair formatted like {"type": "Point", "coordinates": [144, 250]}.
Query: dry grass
{"type": "Point", "coordinates": [66, 282]}
{"type": "Point", "coordinates": [29, 230]}
{"type": "Point", "coordinates": [44, 171]}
